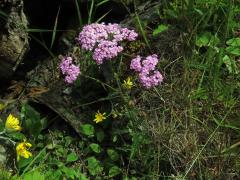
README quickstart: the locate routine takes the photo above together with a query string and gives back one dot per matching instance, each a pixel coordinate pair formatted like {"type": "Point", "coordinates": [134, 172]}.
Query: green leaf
{"type": "Point", "coordinates": [69, 172]}
{"type": "Point", "coordinates": [95, 147]}
{"type": "Point", "coordinates": [113, 154]}
{"type": "Point", "coordinates": [203, 39]}
{"type": "Point", "coordinates": [55, 174]}
{"type": "Point", "coordinates": [16, 136]}
{"type": "Point", "coordinates": [234, 42]}
{"type": "Point", "coordinates": [171, 13]}
{"type": "Point", "coordinates": [81, 176]}
{"type": "Point", "coordinates": [115, 138]}
{"type": "Point", "coordinates": [94, 166]}
{"type": "Point", "coordinates": [100, 135]}
{"type": "Point", "coordinates": [160, 29]}
{"type": "Point", "coordinates": [68, 140]}
{"type": "Point", "coordinates": [23, 162]}
{"type": "Point", "coordinates": [233, 50]}
{"type": "Point", "coordinates": [214, 41]}
{"type": "Point", "coordinates": [51, 146]}
{"type": "Point", "coordinates": [114, 171]}
{"type": "Point", "coordinates": [87, 129]}
{"type": "Point", "coordinates": [199, 93]}
{"type": "Point", "coordinates": [230, 64]}
{"type": "Point", "coordinates": [72, 157]}
{"type": "Point", "coordinates": [199, 11]}
{"type": "Point", "coordinates": [31, 119]}
{"type": "Point", "coordinates": [33, 175]}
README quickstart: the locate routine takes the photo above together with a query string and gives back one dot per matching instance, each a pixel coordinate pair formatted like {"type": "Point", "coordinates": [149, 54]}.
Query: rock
{"type": "Point", "coordinates": [13, 36]}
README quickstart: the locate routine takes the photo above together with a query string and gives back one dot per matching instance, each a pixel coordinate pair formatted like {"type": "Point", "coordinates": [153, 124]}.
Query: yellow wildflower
{"type": "Point", "coordinates": [128, 84]}
{"type": "Point", "coordinates": [12, 123]}
{"type": "Point", "coordinates": [22, 150]}
{"type": "Point", "coordinates": [99, 117]}
{"type": "Point", "coordinates": [2, 106]}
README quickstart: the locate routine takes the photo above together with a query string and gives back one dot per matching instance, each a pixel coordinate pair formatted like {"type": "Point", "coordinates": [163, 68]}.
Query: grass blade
{"type": "Point", "coordinates": [47, 30]}
{"type": "Point", "coordinates": [79, 14]}
{"type": "Point", "coordinates": [142, 30]}
{"type": "Point", "coordinates": [55, 28]}
{"type": "Point", "coordinates": [90, 12]}
{"type": "Point", "coordinates": [103, 16]}
{"type": "Point", "coordinates": [3, 15]}
{"type": "Point", "coordinates": [208, 140]}
{"type": "Point", "coordinates": [101, 3]}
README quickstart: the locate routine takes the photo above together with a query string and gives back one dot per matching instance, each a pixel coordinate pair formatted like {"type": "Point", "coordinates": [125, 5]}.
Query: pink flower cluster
{"type": "Point", "coordinates": [106, 50]}
{"type": "Point", "coordinates": [70, 70]}
{"type": "Point", "coordinates": [148, 75]}
{"type": "Point", "coordinates": [104, 40]}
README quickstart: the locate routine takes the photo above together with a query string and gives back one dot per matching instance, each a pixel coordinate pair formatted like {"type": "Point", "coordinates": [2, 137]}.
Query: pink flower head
{"type": "Point", "coordinates": [136, 64]}
{"type": "Point", "coordinates": [148, 75]}
{"type": "Point", "coordinates": [120, 34]}
{"type": "Point", "coordinates": [104, 40]}
{"type": "Point", "coordinates": [129, 35]}
{"type": "Point", "coordinates": [92, 34]}
{"type": "Point", "coordinates": [114, 30]}
{"type": "Point", "coordinates": [150, 62]}
{"type": "Point", "coordinates": [149, 81]}
{"type": "Point", "coordinates": [106, 50]}
{"type": "Point", "coordinates": [70, 70]}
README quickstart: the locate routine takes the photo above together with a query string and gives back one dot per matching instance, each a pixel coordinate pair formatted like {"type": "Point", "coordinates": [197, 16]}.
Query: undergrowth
{"type": "Point", "coordinates": [185, 128]}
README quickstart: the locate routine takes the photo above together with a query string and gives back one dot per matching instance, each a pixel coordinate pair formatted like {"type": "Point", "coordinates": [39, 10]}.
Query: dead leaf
{"type": "Point", "coordinates": [36, 91]}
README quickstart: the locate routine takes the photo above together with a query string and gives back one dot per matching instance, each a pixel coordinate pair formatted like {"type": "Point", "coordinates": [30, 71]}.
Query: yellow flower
{"type": "Point", "coordinates": [99, 117]}
{"type": "Point", "coordinates": [22, 150]}
{"type": "Point", "coordinates": [128, 84]}
{"type": "Point", "coordinates": [2, 106]}
{"type": "Point", "coordinates": [12, 123]}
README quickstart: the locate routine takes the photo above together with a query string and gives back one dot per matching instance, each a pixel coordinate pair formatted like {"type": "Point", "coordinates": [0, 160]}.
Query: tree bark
{"type": "Point", "coordinates": [13, 36]}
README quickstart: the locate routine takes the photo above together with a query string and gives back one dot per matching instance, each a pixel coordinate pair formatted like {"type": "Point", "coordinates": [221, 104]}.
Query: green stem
{"type": "Point", "coordinates": [98, 81]}
{"type": "Point", "coordinates": [32, 162]}
{"type": "Point", "coordinates": [3, 132]}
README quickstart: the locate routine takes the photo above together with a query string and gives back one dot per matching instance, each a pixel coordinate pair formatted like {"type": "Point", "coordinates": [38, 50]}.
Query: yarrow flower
{"type": "Point", "coordinates": [148, 75]}
{"type": "Point", "coordinates": [22, 149]}
{"type": "Point", "coordinates": [149, 81]}
{"type": "Point", "coordinates": [12, 123]}
{"type": "Point", "coordinates": [70, 70]}
{"type": "Point", "coordinates": [136, 64]}
{"type": "Point", "coordinates": [99, 117]}
{"type": "Point", "coordinates": [104, 40]}
{"type": "Point", "coordinates": [92, 34]}
{"type": "Point", "coordinates": [106, 50]}
{"type": "Point", "coordinates": [128, 84]}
